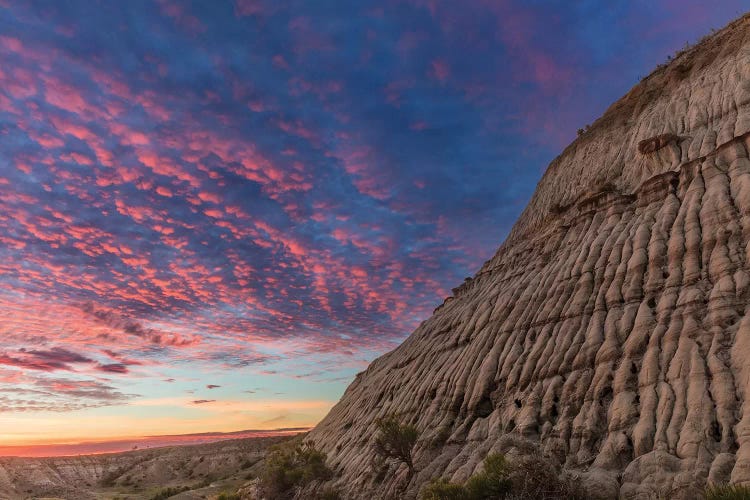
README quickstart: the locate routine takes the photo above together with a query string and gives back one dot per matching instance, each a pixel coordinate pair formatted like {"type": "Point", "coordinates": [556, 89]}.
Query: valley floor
{"type": "Point", "coordinates": [187, 472]}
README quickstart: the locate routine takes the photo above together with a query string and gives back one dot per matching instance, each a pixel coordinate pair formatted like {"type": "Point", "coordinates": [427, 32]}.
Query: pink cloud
{"type": "Point", "coordinates": [182, 18]}
{"type": "Point", "coordinates": [247, 7]}
{"type": "Point", "coordinates": [440, 70]}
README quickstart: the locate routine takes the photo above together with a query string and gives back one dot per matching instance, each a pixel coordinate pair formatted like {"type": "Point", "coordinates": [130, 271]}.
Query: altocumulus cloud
{"type": "Point", "coordinates": [282, 189]}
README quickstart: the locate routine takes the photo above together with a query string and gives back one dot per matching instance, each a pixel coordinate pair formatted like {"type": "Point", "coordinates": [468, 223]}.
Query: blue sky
{"type": "Point", "coordinates": [264, 196]}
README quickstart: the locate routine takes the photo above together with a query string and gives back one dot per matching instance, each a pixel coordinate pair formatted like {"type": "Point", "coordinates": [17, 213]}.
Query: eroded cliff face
{"type": "Point", "coordinates": [612, 328]}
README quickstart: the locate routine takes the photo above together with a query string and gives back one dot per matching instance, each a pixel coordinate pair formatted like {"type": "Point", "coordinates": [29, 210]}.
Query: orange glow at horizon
{"type": "Point", "coordinates": [22, 434]}
{"type": "Point", "coordinates": [97, 447]}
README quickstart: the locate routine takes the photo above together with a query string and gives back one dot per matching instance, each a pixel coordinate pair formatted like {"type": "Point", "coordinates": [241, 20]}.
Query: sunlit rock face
{"type": "Point", "coordinates": [612, 328]}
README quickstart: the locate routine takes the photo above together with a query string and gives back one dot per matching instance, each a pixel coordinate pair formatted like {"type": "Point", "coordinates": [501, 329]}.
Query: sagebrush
{"type": "Point", "coordinates": [290, 467]}
{"type": "Point", "coordinates": [529, 478]}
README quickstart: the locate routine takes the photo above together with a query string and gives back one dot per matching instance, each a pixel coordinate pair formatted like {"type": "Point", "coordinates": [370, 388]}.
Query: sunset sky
{"type": "Point", "coordinates": [214, 214]}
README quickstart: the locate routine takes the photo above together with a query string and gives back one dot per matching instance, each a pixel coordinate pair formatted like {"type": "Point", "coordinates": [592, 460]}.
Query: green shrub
{"type": "Point", "coordinates": [728, 492]}
{"type": "Point", "coordinates": [396, 440]}
{"type": "Point", "coordinates": [165, 493]}
{"type": "Point", "coordinates": [442, 489]}
{"type": "Point", "coordinates": [531, 478]}
{"type": "Point", "coordinates": [288, 467]}
{"type": "Point", "coordinates": [228, 496]}
{"type": "Point", "coordinates": [493, 482]}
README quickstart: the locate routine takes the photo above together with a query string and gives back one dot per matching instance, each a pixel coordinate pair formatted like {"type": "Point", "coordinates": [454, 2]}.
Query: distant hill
{"type": "Point", "coordinates": [201, 470]}
{"type": "Point", "coordinates": [120, 445]}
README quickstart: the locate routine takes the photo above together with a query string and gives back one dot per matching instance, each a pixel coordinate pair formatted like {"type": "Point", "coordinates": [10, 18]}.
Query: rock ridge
{"type": "Point", "coordinates": [611, 330]}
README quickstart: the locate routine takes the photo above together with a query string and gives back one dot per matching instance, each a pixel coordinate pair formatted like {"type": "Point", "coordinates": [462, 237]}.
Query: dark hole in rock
{"type": "Point", "coordinates": [715, 431]}
{"type": "Point", "coordinates": [652, 302]}
{"type": "Point", "coordinates": [484, 408]}
{"type": "Point", "coordinates": [633, 368]}
{"type": "Point", "coordinates": [457, 403]}
{"type": "Point", "coordinates": [656, 143]}
{"type": "Point", "coordinates": [511, 425]}
{"type": "Point", "coordinates": [517, 402]}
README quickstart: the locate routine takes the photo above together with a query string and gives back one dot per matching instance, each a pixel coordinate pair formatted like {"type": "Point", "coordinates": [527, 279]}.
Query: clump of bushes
{"type": "Point", "coordinates": [289, 467]}
{"type": "Point", "coordinates": [728, 492]}
{"type": "Point", "coordinates": [493, 482]}
{"type": "Point", "coordinates": [395, 441]}
{"type": "Point", "coordinates": [228, 496]}
{"type": "Point", "coordinates": [529, 478]}
{"type": "Point", "coordinates": [534, 477]}
{"type": "Point", "coordinates": [165, 493]}
{"type": "Point", "coordinates": [442, 489]}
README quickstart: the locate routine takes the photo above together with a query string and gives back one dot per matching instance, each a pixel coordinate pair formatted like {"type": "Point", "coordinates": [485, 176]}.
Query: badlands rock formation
{"type": "Point", "coordinates": [210, 468]}
{"type": "Point", "coordinates": [611, 329]}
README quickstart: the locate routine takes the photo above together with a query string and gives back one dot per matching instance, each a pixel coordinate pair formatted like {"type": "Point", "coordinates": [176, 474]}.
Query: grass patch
{"type": "Point", "coordinates": [229, 496]}
{"type": "Point", "coordinates": [530, 478]}
{"type": "Point", "coordinates": [728, 492]}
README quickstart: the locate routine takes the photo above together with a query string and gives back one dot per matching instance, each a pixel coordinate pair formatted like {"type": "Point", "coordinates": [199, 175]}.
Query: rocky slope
{"type": "Point", "coordinates": [207, 469]}
{"type": "Point", "coordinates": [611, 329]}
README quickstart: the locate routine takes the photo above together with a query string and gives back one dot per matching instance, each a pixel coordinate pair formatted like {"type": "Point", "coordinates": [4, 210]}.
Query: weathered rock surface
{"type": "Point", "coordinates": [612, 328]}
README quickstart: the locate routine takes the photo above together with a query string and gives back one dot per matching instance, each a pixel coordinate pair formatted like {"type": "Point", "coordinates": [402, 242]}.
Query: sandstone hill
{"type": "Point", "coordinates": [611, 330]}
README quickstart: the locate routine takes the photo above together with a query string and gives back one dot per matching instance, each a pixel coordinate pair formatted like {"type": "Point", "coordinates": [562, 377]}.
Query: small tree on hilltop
{"type": "Point", "coordinates": [396, 440]}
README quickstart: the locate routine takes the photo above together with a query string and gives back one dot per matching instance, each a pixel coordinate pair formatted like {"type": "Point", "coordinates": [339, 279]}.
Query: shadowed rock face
{"type": "Point", "coordinates": [611, 329]}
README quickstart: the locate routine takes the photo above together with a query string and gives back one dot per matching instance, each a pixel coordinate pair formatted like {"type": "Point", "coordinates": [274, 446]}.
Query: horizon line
{"type": "Point", "coordinates": [138, 443]}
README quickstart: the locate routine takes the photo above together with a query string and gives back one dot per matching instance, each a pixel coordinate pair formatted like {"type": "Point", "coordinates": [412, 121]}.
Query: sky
{"type": "Point", "coordinates": [214, 214]}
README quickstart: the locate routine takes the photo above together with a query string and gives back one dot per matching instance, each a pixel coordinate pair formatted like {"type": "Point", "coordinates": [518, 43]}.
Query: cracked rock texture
{"type": "Point", "coordinates": [611, 330]}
